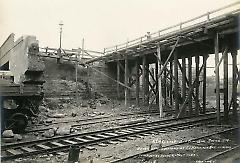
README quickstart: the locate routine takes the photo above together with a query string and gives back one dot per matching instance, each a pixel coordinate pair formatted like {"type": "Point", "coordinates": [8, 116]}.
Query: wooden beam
{"type": "Point", "coordinates": [126, 77]}
{"type": "Point", "coordinates": [216, 51]}
{"type": "Point", "coordinates": [118, 79]}
{"type": "Point", "coordinates": [225, 84]}
{"type": "Point", "coordinates": [147, 83]}
{"type": "Point", "coordinates": [190, 85]}
{"type": "Point", "coordinates": [204, 84]}
{"type": "Point", "coordinates": [171, 84]}
{"type": "Point", "coordinates": [184, 80]}
{"type": "Point", "coordinates": [137, 82]}
{"type": "Point", "coordinates": [190, 90]}
{"type": "Point", "coordinates": [159, 82]}
{"type": "Point", "coordinates": [165, 86]}
{"type": "Point", "coordinates": [176, 84]}
{"type": "Point", "coordinates": [156, 77]}
{"type": "Point", "coordinates": [234, 81]}
{"type": "Point", "coordinates": [197, 107]}
{"type": "Point", "coordinates": [144, 78]}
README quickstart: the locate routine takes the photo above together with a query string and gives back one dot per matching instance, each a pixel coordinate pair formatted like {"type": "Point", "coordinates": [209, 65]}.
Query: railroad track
{"type": "Point", "coordinates": [89, 121]}
{"type": "Point", "coordinates": [209, 155]}
{"type": "Point", "coordinates": [100, 137]}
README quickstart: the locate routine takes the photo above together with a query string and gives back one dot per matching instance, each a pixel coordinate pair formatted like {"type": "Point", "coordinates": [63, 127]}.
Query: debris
{"type": "Point", "coordinates": [49, 133]}
{"type": "Point", "coordinates": [8, 140]}
{"type": "Point", "coordinates": [48, 121]}
{"type": "Point", "coordinates": [43, 109]}
{"type": "Point", "coordinates": [74, 114]}
{"type": "Point", "coordinates": [8, 134]}
{"type": "Point", "coordinates": [133, 121]}
{"type": "Point", "coordinates": [18, 137]}
{"type": "Point", "coordinates": [58, 115]}
{"type": "Point", "coordinates": [83, 104]}
{"type": "Point", "coordinates": [64, 130]}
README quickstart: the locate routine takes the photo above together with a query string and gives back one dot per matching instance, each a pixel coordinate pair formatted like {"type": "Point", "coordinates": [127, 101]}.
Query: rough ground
{"type": "Point", "coordinates": [54, 110]}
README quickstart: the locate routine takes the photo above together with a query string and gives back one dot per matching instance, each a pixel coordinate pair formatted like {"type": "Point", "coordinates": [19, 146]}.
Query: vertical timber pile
{"type": "Point", "coordinates": [171, 85]}
{"type": "Point", "coordinates": [144, 78]}
{"type": "Point", "coordinates": [204, 84]}
{"type": "Point", "coordinates": [225, 71]}
{"type": "Point", "coordinates": [190, 85]}
{"type": "Point", "coordinates": [184, 81]}
{"type": "Point", "coordinates": [197, 86]}
{"type": "Point", "coordinates": [176, 84]}
{"type": "Point", "coordinates": [234, 81]}
{"type": "Point", "coordinates": [126, 78]}
{"type": "Point", "coordinates": [216, 50]}
{"type": "Point", "coordinates": [159, 82]}
{"type": "Point", "coordinates": [118, 79]}
{"type": "Point", "coordinates": [137, 82]}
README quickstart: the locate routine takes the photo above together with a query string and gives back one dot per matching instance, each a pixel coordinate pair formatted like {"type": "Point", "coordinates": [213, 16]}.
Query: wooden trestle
{"type": "Point", "coordinates": [170, 70]}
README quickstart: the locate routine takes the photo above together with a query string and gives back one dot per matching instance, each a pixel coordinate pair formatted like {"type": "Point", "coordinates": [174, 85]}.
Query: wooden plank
{"type": "Point", "coordinates": [111, 134]}
{"type": "Point", "coordinates": [27, 149]}
{"type": "Point", "coordinates": [57, 144]}
{"type": "Point", "coordinates": [41, 146]}
{"type": "Point", "coordinates": [81, 139]}
{"type": "Point", "coordinates": [13, 152]}
{"type": "Point", "coordinates": [69, 141]}
{"type": "Point", "coordinates": [102, 136]}
{"type": "Point", "coordinates": [92, 137]}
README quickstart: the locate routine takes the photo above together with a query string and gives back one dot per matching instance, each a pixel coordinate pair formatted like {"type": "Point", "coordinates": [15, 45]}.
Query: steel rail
{"type": "Point", "coordinates": [135, 130]}
{"type": "Point", "coordinates": [90, 119]}
{"type": "Point", "coordinates": [175, 144]}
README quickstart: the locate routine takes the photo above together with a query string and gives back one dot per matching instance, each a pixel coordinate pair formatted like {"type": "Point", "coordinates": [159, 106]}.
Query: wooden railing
{"type": "Point", "coordinates": [220, 12]}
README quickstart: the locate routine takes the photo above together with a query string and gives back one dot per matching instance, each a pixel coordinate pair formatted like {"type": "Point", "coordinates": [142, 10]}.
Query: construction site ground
{"type": "Point", "coordinates": [53, 111]}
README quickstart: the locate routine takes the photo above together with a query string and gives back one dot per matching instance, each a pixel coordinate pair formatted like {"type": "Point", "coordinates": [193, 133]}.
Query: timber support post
{"type": "Point", "coordinates": [137, 82]}
{"type": "Point", "coordinates": [225, 70]}
{"type": "Point", "coordinates": [176, 84]}
{"type": "Point", "coordinates": [216, 51]}
{"type": "Point", "coordinates": [126, 79]}
{"type": "Point", "coordinates": [234, 81]}
{"type": "Point", "coordinates": [159, 83]}
{"type": "Point", "coordinates": [190, 85]}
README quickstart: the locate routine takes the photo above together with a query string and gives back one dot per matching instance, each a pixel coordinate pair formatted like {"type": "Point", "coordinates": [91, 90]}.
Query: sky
{"type": "Point", "coordinates": [102, 23]}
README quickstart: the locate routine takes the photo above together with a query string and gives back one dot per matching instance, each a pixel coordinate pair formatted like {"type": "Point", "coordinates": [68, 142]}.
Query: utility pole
{"type": "Point", "coordinates": [60, 38]}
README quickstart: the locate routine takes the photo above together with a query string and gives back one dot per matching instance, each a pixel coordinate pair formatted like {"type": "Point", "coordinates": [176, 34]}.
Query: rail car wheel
{"type": "Point", "coordinates": [17, 122]}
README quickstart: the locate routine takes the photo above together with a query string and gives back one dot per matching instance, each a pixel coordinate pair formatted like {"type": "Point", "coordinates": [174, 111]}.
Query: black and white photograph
{"type": "Point", "coordinates": [120, 81]}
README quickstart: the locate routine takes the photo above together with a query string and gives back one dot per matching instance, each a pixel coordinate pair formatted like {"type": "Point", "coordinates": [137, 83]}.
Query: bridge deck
{"type": "Point", "coordinates": [190, 32]}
